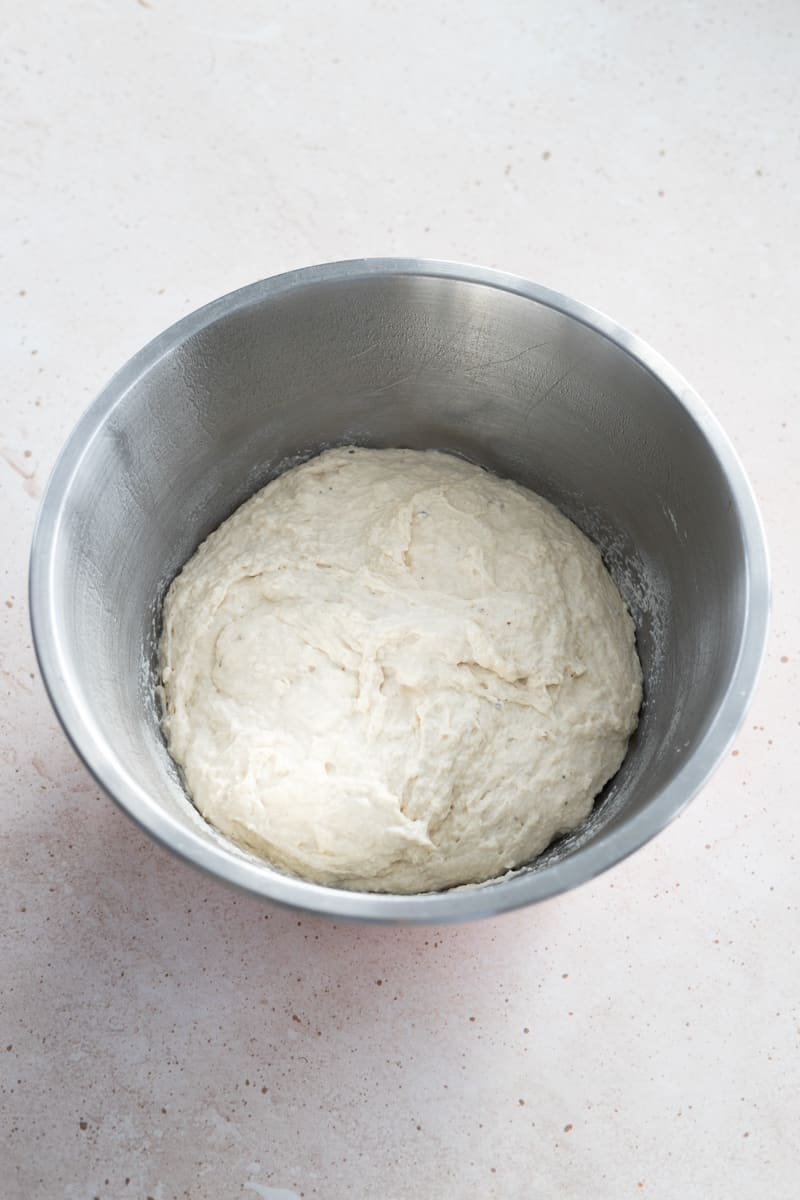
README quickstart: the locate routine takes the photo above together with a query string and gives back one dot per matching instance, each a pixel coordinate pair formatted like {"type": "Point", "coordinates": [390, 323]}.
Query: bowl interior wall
{"type": "Point", "coordinates": [525, 390]}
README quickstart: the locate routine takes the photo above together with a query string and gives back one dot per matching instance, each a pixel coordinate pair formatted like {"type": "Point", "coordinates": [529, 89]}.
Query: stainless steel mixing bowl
{"type": "Point", "coordinates": [402, 353]}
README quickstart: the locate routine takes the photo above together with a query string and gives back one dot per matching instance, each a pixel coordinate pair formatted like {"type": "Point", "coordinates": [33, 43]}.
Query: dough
{"type": "Point", "coordinates": [392, 671]}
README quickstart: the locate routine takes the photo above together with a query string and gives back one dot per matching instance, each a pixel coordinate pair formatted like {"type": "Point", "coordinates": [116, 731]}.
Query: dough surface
{"type": "Point", "coordinates": [392, 671]}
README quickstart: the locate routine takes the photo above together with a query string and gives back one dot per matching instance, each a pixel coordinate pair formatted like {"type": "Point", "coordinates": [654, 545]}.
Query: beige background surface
{"type": "Point", "coordinates": [164, 1037]}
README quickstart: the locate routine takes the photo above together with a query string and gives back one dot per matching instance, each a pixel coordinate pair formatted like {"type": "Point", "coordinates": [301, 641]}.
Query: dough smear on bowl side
{"type": "Point", "coordinates": [391, 671]}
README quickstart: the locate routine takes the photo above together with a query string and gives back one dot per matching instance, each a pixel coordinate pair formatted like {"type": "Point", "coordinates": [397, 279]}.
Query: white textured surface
{"type": "Point", "coordinates": [168, 1038]}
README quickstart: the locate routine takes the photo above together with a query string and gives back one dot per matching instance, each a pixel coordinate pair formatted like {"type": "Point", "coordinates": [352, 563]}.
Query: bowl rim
{"type": "Point", "coordinates": [483, 900]}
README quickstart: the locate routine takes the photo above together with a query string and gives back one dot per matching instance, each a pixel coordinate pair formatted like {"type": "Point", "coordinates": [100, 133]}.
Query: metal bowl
{"type": "Point", "coordinates": [523, 380]}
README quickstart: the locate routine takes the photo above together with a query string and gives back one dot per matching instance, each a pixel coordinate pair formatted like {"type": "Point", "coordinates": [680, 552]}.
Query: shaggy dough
{"type": "Point", "coordinates": [391, 671]}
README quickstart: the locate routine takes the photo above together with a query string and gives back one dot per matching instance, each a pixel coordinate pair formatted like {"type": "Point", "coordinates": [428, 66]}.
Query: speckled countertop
{"type": "Point", "coordinates": [164, 1037]}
